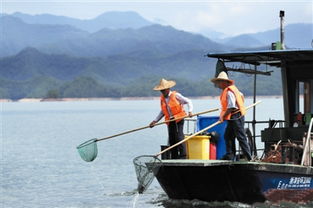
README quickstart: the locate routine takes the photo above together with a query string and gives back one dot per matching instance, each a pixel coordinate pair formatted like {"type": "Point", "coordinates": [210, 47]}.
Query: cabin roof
{"type": "Point", "coordinates": [269, 57]}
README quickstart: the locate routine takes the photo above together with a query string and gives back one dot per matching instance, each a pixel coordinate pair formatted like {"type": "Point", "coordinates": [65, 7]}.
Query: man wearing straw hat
{"type": "Point", "coordinates": [233, 111]}
{"type": "Point", "coordinates": [172, 107]}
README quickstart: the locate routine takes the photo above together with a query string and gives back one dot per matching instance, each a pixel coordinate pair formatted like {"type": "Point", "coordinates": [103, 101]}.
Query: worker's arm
{"type": "Point", "coordinates": [159, 117]}
{"type": "Point", "coordinates": [231, 105]}
{"type": "Point", "coordinates": [183, 100]}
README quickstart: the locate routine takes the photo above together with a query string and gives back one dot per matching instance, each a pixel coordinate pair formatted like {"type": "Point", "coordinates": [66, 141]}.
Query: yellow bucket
{"type": "Point", "coordinates": [198, 147]}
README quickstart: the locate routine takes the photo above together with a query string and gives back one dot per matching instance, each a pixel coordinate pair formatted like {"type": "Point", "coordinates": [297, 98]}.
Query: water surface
{"type": "Point", "coordinates": [40, 166]}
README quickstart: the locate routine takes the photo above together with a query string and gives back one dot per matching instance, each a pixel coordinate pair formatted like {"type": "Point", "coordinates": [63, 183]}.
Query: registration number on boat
{"type": "Point", "coordinates": [295, 182]}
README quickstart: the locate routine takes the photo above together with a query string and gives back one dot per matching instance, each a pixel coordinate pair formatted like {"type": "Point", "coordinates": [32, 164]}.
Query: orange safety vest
{"type": "Point", "coordinates": [175, 106]}
{"type": "Point", "coordinates": [239, 100]}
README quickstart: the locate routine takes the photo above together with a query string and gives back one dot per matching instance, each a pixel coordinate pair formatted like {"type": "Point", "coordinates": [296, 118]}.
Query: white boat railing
{"type": "Point", "coordinates": [307, 154]}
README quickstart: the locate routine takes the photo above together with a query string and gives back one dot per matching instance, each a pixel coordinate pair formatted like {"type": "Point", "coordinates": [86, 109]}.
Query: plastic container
{"type": "Point", "coordinates": [205, 121]}
{"type": "Point", "coordinates": [198, 147]}
{"type": "Point", "coordinates": [212, 151]}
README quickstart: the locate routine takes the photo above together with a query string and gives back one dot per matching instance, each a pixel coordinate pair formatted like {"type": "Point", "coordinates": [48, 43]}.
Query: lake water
{"type": "Point", "coordinates": [40, 166]}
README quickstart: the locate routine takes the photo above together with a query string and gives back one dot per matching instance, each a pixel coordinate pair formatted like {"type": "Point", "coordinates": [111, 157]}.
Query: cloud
{"type": "Point", "coordinates": [237, 17]}
{"type": "Point", "coordinates": [225, 17]}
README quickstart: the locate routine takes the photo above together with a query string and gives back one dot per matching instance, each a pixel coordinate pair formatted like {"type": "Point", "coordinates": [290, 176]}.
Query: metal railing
{"type": "Point", "coordinates": [190, 123]}
{"type": "Point", "coordinates": [191, 127]}
{"type": "Point", "coordinates": [307, 147]}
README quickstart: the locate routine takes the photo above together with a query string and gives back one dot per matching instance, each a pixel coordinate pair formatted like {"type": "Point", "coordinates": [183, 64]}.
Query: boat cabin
{"type": "Point", "coordinates": [296, 68]}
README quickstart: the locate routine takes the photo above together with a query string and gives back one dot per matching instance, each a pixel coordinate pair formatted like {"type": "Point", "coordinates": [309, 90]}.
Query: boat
{"type": "Point", "coordinates": [285, 173]}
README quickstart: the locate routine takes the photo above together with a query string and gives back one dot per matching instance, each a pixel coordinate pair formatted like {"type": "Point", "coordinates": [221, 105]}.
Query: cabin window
{"type": "Point", "coordinates": [304, 103]}
{"type": "Point", "coordinates": [300, 103]}
{"type": "Point", "coordinates": [307, 96]}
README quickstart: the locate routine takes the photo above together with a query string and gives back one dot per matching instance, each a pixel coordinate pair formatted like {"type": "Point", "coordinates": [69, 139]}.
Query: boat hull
{"type": "Point", "coordinates": [246, 182]}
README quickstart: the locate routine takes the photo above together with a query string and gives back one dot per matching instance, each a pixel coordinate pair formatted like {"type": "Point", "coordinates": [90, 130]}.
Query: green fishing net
{"type": "Point", "coordinates": [88, 150]}
{"type": "Point", "coordinates": [146, 166]}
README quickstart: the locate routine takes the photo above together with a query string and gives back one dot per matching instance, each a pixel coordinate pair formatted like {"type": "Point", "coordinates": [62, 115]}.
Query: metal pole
{"type": "Point", "coordinates": [253, 123]}
{"type": "Point", "coordinates": [282, 32]}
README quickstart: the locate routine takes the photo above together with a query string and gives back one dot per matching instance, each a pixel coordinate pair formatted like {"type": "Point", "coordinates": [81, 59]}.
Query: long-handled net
{"type": "Point", "coordinates": [146, 166]}
{"type": "Point", "coordinates": [88, 150]}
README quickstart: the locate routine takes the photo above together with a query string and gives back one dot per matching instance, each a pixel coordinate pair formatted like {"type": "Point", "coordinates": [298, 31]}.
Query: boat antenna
{"type": "Point", "coordinates": [282, 29]}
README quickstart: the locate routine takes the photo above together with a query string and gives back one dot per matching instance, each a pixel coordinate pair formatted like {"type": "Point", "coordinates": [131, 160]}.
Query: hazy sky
{"type": "Point", "coordinates": [229, 17]}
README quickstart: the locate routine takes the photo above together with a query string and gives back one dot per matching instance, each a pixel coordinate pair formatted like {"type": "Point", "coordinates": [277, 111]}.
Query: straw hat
{"type": "Point", "coordinates": [222, 77]}
{"type": "Point", "coordinates": [165, 84]}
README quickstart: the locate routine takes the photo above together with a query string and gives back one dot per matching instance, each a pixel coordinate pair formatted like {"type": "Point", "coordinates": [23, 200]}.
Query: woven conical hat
{"type": "Point", "coordinates": [164, 84]}
{"type": "Point", "coordinates": [222, 77]}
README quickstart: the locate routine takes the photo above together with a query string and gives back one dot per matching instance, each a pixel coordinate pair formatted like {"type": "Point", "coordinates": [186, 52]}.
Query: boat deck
{"type": "Point", "coordinates": [196, 162]}
{"type": "Point", "coordinates": [288, 168]}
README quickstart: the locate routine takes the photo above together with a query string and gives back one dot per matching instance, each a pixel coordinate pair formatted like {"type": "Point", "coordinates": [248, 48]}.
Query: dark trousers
{"type": "Point", "coordinates": [176, 134]}
{"type": "Point", "coordinates": [235, 129]}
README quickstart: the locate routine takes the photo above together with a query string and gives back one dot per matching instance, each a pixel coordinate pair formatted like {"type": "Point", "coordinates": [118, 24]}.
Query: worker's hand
{"type": "Point", "coordinates": [190, 114]}
{"type": "Point", "coordinates": [152, 124]}
{"type": "Point", "coordinates": [221, 118]}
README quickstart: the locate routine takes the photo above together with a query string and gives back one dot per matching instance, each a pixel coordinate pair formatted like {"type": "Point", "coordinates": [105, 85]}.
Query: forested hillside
{"type": "Point", "coordinates": [34, 74]}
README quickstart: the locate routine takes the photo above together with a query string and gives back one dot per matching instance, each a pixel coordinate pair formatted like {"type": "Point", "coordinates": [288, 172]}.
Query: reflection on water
{"type": "Point", "coordinates": [125, 193]}
{"type": "Point", "coordinates": [170, 203]}
{"type": "Point", "coordinates": [135, 200]}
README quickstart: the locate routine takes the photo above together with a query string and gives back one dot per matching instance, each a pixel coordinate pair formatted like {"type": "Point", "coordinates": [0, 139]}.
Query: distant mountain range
{"type": "Point", "coordinates": [296, 36]}
{"type": "Point", "coordinates": [127, 32]}
{"type": "Point", "coordinates": [123, 20]}
{"type": "Point", "coordinates": [117, 54]}
{"type": "Point", "coordinates": [110, 20]}
{"type": "Point", "coordinates": [31, 63]}
{"type": "Point", "coordinates": [66, 39]}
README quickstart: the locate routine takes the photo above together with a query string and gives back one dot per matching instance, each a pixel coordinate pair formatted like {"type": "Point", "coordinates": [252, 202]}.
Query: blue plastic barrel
{"type": "Point", "coordinates": [205, 121]}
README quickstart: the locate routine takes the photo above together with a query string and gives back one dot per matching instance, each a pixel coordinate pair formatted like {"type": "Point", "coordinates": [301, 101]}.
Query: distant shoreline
{"type": "Point", "coordinates": [24, 100]}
